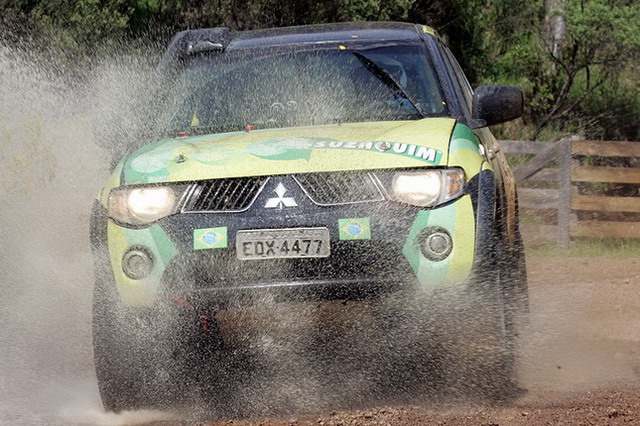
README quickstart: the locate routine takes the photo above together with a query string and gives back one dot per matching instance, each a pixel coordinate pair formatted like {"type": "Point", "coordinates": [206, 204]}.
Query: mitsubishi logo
{"type": "Point", "coordinates": [280, 200]}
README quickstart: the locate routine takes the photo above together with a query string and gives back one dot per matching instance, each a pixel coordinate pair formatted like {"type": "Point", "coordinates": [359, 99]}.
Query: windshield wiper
{"type": "Point", "coordinates": [388, 80]}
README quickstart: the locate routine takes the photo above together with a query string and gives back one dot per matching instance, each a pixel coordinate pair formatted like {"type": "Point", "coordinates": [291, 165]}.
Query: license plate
{"type": "Point", "coordinates": [282, 243]}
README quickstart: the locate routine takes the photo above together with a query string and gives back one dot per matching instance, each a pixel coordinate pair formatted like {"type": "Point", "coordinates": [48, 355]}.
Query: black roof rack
{"type": "Point", "coordinates": [191, 42]}
{"type": "Point", "coordinates": [218, 39]}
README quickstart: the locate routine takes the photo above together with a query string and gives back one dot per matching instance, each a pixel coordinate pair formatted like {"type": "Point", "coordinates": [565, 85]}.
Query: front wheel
{"type": "Point", "coordinates": [481, 324]}
{"type": "Point", "coordinates": [128, 355]}
{"type": "Point", "coordinates": [500, 313]}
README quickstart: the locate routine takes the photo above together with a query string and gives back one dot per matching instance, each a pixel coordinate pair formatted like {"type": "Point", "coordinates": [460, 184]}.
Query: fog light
{"type": "Point", "coordinates": [137, 264]}
{"type": "Point", "coordinates": [435, 244]}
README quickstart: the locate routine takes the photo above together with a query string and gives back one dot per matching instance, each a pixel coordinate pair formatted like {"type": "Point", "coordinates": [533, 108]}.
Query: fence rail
{"type": "Point", "coordinates": [559, 164]}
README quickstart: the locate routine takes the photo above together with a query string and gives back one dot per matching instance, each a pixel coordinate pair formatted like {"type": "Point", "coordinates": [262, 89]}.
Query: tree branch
{"type": "Point", "coordinates": [557, 113]}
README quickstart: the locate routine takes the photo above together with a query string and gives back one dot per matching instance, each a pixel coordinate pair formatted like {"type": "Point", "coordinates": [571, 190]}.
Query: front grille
{"type": "Point", "coordinates": [224, 195]}
{"type": "Point", "coordinates": [325, 189]}
{"type": "Point", "coordinates": [339, 187]}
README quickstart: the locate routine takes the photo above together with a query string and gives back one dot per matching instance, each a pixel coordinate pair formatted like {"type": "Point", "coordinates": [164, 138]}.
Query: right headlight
{"type": "Point", "coordinates": [429, 187]}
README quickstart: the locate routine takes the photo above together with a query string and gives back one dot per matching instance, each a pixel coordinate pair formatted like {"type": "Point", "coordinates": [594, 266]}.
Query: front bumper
{"type": "Point", "coordinates": [359, 268]}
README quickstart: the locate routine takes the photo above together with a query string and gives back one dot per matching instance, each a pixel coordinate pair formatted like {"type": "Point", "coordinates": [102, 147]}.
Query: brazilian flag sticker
{"type": "Point", "coordinates": [355, 229]}
{"type": "Point", "coordinates": [210, 238]}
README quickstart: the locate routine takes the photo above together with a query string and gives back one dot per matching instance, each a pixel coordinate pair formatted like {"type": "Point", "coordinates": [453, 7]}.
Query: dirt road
{"type": "Point", "coordinates": [581, 362]}
{"type": "Point", "coordinates": [603, 407]}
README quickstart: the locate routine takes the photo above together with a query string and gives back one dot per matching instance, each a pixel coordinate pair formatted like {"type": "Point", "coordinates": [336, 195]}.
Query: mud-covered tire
{"type": "Point", "coordinates": [494, 350]}
{"type": "Point", "coordinates": [515, 287]}
{"type": "Point", "coordinates": [501, 314]}
{"type": "Point", "coordinates": [146, 357]}
{"type": "Point", "coordinates": [468, 333]}
{"type": "Point", "coordinates": [123, 357]}
{"type": "Point", "coordinates": [411, 354]}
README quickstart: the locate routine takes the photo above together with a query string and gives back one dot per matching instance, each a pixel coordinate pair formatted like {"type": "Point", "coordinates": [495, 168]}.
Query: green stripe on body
{"type": "Point", "coordinates": [458, 220]}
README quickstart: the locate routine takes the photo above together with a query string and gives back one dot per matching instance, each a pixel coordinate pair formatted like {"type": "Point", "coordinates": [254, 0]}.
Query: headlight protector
{"type": "Point", "coordinates": [429, 187]}
{"type": "Point", "coordinates": [143, 205]}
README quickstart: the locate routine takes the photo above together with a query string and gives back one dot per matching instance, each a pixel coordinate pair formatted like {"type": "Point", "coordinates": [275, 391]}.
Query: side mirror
{"type": "Point", "coordinates": [497, 104]}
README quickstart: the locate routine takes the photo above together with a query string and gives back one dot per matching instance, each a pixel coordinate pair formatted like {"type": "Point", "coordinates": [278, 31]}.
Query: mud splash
{"type": "Point", "coordinates": [54, 128]}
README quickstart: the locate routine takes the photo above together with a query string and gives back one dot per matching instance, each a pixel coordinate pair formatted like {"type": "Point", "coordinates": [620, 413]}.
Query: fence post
{"type": "Point", "coordinates": [564, 201]}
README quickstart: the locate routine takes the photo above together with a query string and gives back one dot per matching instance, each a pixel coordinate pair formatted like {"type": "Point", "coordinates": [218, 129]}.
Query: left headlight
{"type": "Point", "coordinates": [145, 204]}
{"type": "Point", "coordinates": [428, 188]}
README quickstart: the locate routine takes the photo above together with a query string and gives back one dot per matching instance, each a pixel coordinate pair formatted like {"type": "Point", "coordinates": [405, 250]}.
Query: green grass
{"type": "Point", "coordinates": [589, 247]}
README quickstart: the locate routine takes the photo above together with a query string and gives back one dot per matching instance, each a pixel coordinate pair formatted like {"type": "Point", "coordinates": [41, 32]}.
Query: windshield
{"type": "Point", "coordinates": [229, 91]}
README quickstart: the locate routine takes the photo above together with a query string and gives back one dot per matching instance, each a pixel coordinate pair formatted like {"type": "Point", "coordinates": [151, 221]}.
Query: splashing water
{"type": "Point", "coordinates": [53, 125]}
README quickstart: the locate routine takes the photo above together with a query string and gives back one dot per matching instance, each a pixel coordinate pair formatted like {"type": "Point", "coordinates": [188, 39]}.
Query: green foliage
{"type": "Point", "coordinates": [601, 31]}
{"type": "Point", "coordinates": [582, 83]}
{"type": "Point", "coordinates": [78, 21]}
{"type": "Point", "coordinates": [568, 85]}
{"type": "Point", "coordinates": [247, 14]}
{"type": "Point", "coordinates": [373, 10]}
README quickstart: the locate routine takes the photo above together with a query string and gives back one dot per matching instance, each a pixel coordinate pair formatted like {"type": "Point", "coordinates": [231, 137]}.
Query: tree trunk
{"type": "Point", "coordinates": [556, 25]}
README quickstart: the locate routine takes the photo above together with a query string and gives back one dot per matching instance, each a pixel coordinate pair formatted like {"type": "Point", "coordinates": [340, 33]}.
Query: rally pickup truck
{"type": "Point", "coordinates": [339, 161]}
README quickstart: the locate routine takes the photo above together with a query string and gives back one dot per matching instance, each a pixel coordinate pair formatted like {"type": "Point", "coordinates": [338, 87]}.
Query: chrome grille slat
{"type": "Point", "coordinates": [318, 186]}
{"type": "Point", "coordinates": [225, 195]}
{"type": "Point", "coordinates": [221, 200]}
{"type": "Point", "coordinates": [229, 197]}
{"type": "Point", "coordinates": [249, 193]}
{"type": "Point", "coordinates": [215, 194]}
{"type": "Point", "coordinates": [337, 188]}
{"type": "Point", "coordinates": [199, 201]}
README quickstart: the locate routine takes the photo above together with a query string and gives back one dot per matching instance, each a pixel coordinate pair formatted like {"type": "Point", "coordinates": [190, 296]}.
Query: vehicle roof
{"type": "Point", "coordinates": [329, 33]}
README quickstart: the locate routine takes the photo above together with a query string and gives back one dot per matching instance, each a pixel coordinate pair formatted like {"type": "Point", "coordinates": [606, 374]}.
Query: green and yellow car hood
{"type": "Point", "coordinates": [353, 146]}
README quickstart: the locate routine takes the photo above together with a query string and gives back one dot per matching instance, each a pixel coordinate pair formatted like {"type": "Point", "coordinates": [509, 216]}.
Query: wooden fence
{"type": "Point", "coordinates": [550, 180]}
